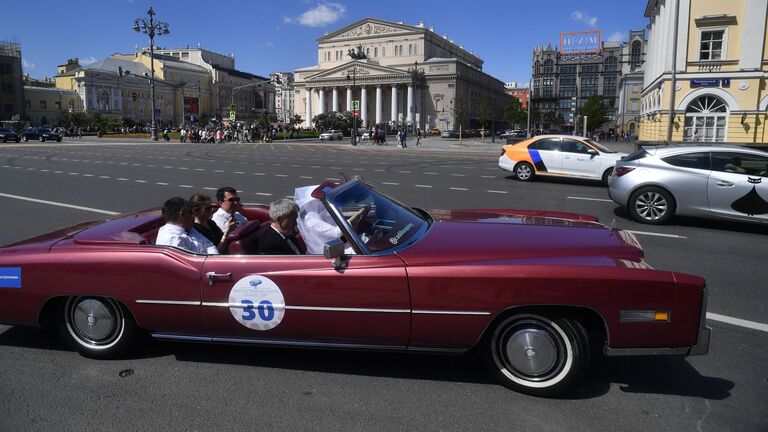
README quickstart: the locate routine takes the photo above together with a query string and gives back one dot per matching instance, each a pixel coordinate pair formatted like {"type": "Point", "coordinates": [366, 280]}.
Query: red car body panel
{"type": "Point", "coordinates": [441, 292]}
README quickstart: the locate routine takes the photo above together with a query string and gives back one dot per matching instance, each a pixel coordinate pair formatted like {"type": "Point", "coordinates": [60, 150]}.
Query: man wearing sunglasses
{"type": "Point", "coordinates": [229, 206]}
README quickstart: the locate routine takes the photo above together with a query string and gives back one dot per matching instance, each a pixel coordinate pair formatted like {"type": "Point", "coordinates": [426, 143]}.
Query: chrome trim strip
{"type": "Point", "coordinates": [166, 336]}
{"type": "Point", "coordinates": [170, 302]}
{"type": "Point", "coordinates": [611, 352]}
{"type": "Point", "coordinates": [214, 304]}
{"type": "Point", "coordinates": [308, 344]}
{"type": "Point", "coordinates": [435, 312]}
{"type": "Point", "coordinates": [340, 309]}
{"type": "Point", "coordinates": [238, 305]}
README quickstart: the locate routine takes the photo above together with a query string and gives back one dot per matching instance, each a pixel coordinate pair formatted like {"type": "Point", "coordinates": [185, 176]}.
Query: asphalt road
{"type": "Point", "coordinates": [198, 387]}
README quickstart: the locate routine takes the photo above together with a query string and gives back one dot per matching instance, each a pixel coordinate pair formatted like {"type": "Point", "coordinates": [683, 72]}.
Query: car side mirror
{"type": "Point", "coordinates": [592, 152]}
{"type": "Point", "coordinates": [334, 250]}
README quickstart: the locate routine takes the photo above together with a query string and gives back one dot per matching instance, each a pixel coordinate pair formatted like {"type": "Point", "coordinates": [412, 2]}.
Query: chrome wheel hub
{"type": "Point", "coordinates": [523, 172]}
{"type": "Point", "coordinates": [531, 352]}
{"type": "Point", "coordinates": [94, 322]}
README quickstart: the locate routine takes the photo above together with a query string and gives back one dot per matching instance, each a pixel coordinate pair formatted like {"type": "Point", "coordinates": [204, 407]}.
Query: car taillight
{"type": "Point", "coordinates": [620, 171]}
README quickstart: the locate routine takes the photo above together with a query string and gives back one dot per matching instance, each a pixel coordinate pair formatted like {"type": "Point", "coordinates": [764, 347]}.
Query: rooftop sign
{"type": "Point", "coordinates": [589, 42]}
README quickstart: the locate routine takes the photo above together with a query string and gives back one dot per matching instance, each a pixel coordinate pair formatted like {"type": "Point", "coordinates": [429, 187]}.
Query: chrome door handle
{"type": "Point", "coordinates": [213, 277]}
{"type": "Point", "coordinates": [724, 183]}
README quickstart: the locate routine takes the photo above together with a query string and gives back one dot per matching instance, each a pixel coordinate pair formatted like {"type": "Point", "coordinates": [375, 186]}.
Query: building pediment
{"type": "Point", "coordinates": [369, 27]}
{"type": "Point", "coordinates": [363, 70]}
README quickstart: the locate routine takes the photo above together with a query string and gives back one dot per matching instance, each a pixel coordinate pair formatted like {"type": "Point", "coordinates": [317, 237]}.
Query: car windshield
{"type": "Point", "coordinates": [44, 130]}
{"type": "Point", "coordinates": [385, 225]}
{"type": "Point", "coordinates": [4, 130]}
{"type": "Point", "coordinates": [600, 147]}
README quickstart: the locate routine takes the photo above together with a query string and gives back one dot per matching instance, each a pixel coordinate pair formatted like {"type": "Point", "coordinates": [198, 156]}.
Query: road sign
{"type": "Point", "coordinates": [356, 105]}
{"type": "Point", "coordinates": [355, 114]}
{"type": "Point", "coordinates": [233, 107]}
{"type": "Point", "coordinates": [232, 115]}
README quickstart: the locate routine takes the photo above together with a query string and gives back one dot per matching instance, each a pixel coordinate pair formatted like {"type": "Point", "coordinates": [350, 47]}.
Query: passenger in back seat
{"type": "Point", "coordinates": [229, 206]}
{"type": "Point", "coordinates": [179, 229]}
{"type": "Point", "coordinates": [279, 238]}
{"type": "Point", "coordinates": [203, 209]}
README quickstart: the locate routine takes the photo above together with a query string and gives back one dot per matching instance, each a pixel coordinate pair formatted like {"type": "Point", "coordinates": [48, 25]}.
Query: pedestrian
{"type": "Point", "coordinates": [418, 137]}
{"type": "Point", "coordinates": [274, 135]}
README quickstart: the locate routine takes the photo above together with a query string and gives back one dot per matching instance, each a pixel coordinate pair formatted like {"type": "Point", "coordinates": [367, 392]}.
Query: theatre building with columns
{"type": "Point", "coordinates": [410, 76]}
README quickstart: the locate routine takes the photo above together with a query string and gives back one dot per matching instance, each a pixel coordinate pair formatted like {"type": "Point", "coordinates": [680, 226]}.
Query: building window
{"type": "Point", "coordinates": [611, 64]}
{"type": "Point", "coordinates": [706, 119]}
{"type": "Point", "coordinates": [711, 47]}
{"type": "Point", "coordinates": [635, 53]}
{"type": "Point", "coordinates": [383, 51]}
{"type": "Point", "coordinates": [410, 49]}
{"type": "Point", "coordinates": [375, 52]}
{"type": "Point", "coordinates": [549, 67]}
{"type": "Point", "coordinates": [58, 105]}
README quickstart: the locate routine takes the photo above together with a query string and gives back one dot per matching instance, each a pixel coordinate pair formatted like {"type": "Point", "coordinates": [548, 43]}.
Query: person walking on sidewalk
{"type": "Point", "coordinates": [418, 137]}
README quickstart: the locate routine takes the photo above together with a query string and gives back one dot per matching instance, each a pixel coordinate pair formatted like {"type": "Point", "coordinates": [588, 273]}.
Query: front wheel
{"type": "Point", "coordinates": [536, 355]}
{"type": "Point", "coordinates": [524, 171]}
{"type": "Point", "coordinates": [651, 205]}
{"type": "Point", "coordinates": [97, 327]}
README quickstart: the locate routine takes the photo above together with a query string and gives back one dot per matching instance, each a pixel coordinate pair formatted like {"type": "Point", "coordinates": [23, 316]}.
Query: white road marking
{"type": "Point", "coordinates": [58, 204]}
{"type": "Point", "coordinates": [140, 181]}
{"type": "Point", "coordinates": [306, 177]}
{"type": "Point", "coordinates": [404, 172]}
{"type": "Point", "coordinates": [738, 322]}
{"type": "Point", "coordinates": [281, 175]}
{"type": "Point", "coordinates": [430, 173]}
{"type": "Point", "coordinates": [210, 188]}
{"type": "Point", "coordinates": [121, 179]}
{"type": "Point", "coordinates": [495, 191]}
{"type": "Point", "coordinates": [458, 189]}
{"type": "Point", "coordinates": [87, 175]}
{"type": "Point", "coordinates": [657, 234]}
{"type": "Point", "coordinates": [161, 184]}
{"type": "Point", "coordinates": [199, 169]}
{"type": "Point", "coordinates": [390, 183]}
{"type": "Point", "coordinates": [239, 172]}
{"type": "Point", "coordinates": [488, 177]}
{"type": "Point", "coordinates": [589, 199]}
{"type": "Point", "coordinates": [379, 170]}
{"type": "Point", "coordinates": [186, 186]}
{"type": "Point", "coordinates": [105, 177]}
{"type": "Point", "coordinates": [263, 194]}
{"type": "Point", "coordinates": [218, 171]}
{"type": "Point", "coordinates": [261, 174]}
{"type": "Point", "coordinates": [422, 186]}
{"type": "Point", "coordinates": [458, 175]}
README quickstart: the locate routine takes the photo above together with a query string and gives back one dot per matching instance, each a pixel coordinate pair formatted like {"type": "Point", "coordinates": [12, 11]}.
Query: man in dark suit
{"type": "Point", "coordinates": [279, 238]}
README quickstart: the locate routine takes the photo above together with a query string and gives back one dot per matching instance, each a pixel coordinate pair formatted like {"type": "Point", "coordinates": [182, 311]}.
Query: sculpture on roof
{"type": "Point", "coordinates": [359, 55]}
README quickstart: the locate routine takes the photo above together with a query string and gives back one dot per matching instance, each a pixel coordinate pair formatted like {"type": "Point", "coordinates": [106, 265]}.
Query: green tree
{"type": "Point", "coordinates": [335, 120]}
{"type": "Point", "coordinates": [485, 111]}
{"type": "Point", "coordinates": [514, 114]}
{"type": "Point", "coordinates": [594, 109]}
{"type": "Point", "coordinates": [460, 113]}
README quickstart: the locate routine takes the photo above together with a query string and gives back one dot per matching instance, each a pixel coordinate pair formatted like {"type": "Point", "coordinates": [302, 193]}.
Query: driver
{"type": "Point", "coordinates": [316, 225]}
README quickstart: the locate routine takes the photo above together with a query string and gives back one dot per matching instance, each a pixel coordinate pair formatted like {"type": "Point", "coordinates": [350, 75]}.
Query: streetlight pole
{"type": "Point", "coordinates": [152, 29]}
{"type": "Point", "coordinates": [354, 116]}
{"type": "Point", "coordinates": [416, 73]}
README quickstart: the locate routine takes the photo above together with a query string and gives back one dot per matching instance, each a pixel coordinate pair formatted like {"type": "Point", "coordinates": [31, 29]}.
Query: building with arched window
{"type": "Point", "coordinates": [631, 82]}
{"type": "Point", "coordinates": [720, 89]}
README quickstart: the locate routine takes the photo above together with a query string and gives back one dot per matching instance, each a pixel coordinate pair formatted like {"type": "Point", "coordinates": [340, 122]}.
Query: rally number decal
{"type": "Point", "coordinates": [257, 303]}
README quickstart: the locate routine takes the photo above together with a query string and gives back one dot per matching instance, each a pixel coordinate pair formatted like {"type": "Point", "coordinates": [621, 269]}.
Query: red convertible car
{"type": "Point", "coordinates": [537, 293]}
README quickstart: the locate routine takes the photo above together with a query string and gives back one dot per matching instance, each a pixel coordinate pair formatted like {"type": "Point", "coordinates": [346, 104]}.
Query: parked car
{"type": "Point", "coordinates": [39, 133]}
{"type": "Point", "coordinates": [330, 135]}
{"type": "Point", "coordinates": [449, 134]}
{"type": "Point", "coordinates": [722, 182]}
{"type": "Point", "coordinates": [512, 134]}
{"type": "Point", "coordinates": [559, 155]}
{"type": "Point", "coordinates": [434, 131]}
{"type": "Point", "coordinates": [536, 293]}
{"type": "Point", "coordinates": [9, 135]}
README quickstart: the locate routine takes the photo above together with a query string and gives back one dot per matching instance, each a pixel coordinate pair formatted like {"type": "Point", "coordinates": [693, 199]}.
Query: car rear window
{"type": "Point", "coordinates": [642, 153]}
{"type": "Point", "coordinates": [698, 160]}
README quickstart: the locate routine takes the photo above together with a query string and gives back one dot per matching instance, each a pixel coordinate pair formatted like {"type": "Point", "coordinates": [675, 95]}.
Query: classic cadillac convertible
{"type": "Point", "coordinates": [537, 293]}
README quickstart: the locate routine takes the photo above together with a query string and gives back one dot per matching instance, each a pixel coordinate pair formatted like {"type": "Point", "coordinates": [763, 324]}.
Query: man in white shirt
{"type": "Point", "coordinates": [229, 204]}
{"type": "Point", "coordinates": [178, 230]}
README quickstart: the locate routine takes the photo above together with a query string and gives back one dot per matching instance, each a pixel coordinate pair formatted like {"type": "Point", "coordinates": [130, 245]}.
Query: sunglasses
{"type": "Point", "coordinates": [233, 200]}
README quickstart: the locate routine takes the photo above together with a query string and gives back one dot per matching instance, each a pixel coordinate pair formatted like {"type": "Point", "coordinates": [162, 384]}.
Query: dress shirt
{"type": "Point", "coordinates": [222, 218]}
{"type": "Point", "coordinates": [192, 240]}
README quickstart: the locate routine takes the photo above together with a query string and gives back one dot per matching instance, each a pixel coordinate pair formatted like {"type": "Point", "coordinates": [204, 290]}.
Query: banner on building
{"type": "Point", "coordinates": [575, 43]}
{"type": "Point", "coordinates": [191, 105]}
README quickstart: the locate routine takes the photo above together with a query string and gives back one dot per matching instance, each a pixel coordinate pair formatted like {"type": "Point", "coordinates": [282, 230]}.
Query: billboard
{"type": "Point", "coordinates": [191, 105]}
{"type": "Point", "coordinates": [573, 43]}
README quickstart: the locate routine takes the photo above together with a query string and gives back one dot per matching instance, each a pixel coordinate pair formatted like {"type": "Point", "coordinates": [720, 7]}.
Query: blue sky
{"type": "Point", "coordinates": [269, 36]}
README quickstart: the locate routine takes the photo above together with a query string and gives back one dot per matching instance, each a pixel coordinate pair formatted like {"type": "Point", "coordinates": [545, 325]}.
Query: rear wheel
{"type": "Point", "coordinates": [97, 327]}
{"type": "Point", "coordinates": [651, 205]}
{"type": "Point", "coordinates": [606, 174]}
{"type": "Point", "coordinates": [536, 355]}
{"type": "Point", "coordinates": [42, 139]}
{"type": "Point", "coordinates": [524, 171]}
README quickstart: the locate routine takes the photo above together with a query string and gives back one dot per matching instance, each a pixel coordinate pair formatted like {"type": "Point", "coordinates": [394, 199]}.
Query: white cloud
{"type": "Point", "coordinates": [88, 60]}
{"type": "Point", "coordinates": [269, 44]}
{"type": "Point", "coordinates": [584, 17]}
{"type": "Point", "coordinates": [27, 65]}
{"type": "Point", "coordinates": [320, 15]}
{"type": "Point", "coordinates": [616, 37]}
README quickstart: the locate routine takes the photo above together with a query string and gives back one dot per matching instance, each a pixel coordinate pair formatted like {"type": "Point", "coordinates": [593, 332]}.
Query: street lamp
{"type": "Point", "coordinates": [354, 117]}
{"type": "Point", "coordinates": [417, 74]}
{"type": "Point", "coordinates": [152, 29]}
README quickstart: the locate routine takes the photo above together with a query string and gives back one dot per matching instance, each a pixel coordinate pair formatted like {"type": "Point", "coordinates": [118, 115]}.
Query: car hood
{"type": "Point", "coordinates": [483, 238]}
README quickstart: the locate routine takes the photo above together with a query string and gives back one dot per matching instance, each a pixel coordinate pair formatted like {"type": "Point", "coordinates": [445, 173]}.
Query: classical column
{"type": "Point", "coordinates": [364, 105]}
{"type": "Point", "coordinates": [394, 103]}
{"type": "Point", "coordinates": [378, 104]}
{"type": "Point", "coordinates": [349, 98]}
{"type": "Point", "coordinates": [410, 104]}
{"type": "Point", "coordinates": [308, 121]}
{"type": "Point", "coordinates": [335, 100]}
{"type": "Point", "coordinates": [321, 108]}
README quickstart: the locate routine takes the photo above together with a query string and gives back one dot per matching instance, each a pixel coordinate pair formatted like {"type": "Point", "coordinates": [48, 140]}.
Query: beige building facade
{"type": "Point", "coordinates": [721, 65]}
{"type": "Point", "coordinates": [46, 104]}
{"type": "Point", "coordinates": [411, 77]}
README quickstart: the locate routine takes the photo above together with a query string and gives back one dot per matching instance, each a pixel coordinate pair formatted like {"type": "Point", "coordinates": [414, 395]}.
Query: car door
{"type": "Point", "coordinates": [578, 161]}
{"type": "Point", "coordinates": [687, 180]}
{"type": "Point", "coordinates": [304, 299]}
{"type": "Point", "coordinates": [738, 185]}
{"type": "Point", "coordinates": [545, 155]}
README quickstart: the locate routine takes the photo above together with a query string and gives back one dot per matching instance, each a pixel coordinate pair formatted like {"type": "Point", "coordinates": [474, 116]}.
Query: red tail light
{"type": "Point", "coordinates": [620, 171]}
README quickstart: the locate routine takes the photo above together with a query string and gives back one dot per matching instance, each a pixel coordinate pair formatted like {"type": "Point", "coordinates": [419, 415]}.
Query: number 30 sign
{"type": "Point", "coordinates": [257, 303]}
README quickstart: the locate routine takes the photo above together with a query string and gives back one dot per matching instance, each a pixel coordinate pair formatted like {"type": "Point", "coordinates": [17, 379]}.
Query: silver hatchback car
{"type": "Point", "coordinates": [721, 182]}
